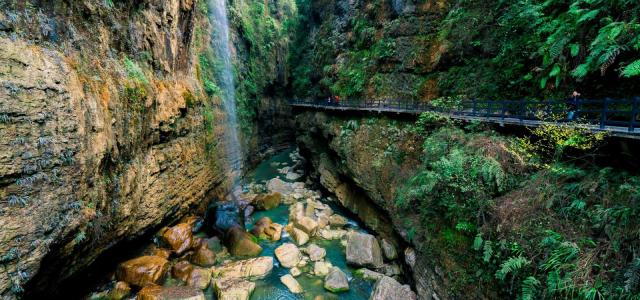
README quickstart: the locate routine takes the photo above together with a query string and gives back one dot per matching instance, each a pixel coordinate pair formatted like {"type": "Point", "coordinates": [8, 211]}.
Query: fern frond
{"type": "Point", "coordinates": [512, 265]}
{"type": "Point", "coordinates": [632, 276]}
{"type": "Point", "coordinates": [530, 286]}
{"type": "Point", "coordinates": [632, 69]}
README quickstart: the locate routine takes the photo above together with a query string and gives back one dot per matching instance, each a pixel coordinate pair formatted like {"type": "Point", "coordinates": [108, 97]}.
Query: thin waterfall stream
{"type": "Point", "coordinates": [221, 44]}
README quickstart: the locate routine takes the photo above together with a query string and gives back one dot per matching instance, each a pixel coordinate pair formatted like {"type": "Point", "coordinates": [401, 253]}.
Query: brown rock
{"type": "Point", "coordinates": [288, 255]}
{"type": "Point", "coordinates": [178, 237]}
{"type": "Point", "coordinates": [181, 270]}
{"type": "Point", "coordinates": [233, 289]}
{"type": "Point", "coordinates": [242, 243]}
{"type": "Point", "coordinates": [154, 292]}
{"type": "Point", "coordinates": [299, 236]}
{"type": "Point", "coordinates": [274, 231]}
{"type": "Point", "coordinates": [203, 256]}
{"type": "Point", "coordinates": [142, 270]}
{"type": "Point", "coordinates": [306, 224]}
{"type": "Point", "coordinates": [244, 269]}
{"type": "Point", "coordinates": [268, 201]}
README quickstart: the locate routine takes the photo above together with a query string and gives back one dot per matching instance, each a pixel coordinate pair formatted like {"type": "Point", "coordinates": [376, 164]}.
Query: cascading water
{"type": "Point", "coordinates": [221, 44]}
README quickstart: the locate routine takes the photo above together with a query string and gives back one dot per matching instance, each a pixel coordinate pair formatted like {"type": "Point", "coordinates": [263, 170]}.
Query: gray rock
{"type": "Point", "coordinates": [387, 288]}
{"type": "Point", "coordinates": [336, 281]}
{"type": "Point", "coordinates": [363, 250]}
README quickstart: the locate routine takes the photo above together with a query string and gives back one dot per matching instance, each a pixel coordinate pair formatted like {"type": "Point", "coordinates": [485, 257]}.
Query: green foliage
{"type": "Point", "coordinates": [79, 237]}
{"type": "Point", "coordinates": [512, 266]}
{"type": "Point", "coordinates": [134, 72]}
{"type": "Point", "coordinates": [632, 69]}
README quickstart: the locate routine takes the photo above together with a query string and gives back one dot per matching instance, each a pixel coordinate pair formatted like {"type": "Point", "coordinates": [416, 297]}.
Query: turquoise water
{"type": "Point", "coordinates": [270, 287]}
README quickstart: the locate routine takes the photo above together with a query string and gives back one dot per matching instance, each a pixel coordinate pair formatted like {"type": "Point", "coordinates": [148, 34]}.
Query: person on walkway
{"type": "Point", "coordinates": [329, 101]}
{"type": "Point", "coordinates": [573, 105]}
{"type": "Point", "coordinates": [337, 100]}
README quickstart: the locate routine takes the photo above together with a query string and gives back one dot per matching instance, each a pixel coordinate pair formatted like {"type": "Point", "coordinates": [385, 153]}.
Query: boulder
{"type": "Point", "coordinates": [178, 237]}
{"type": "Point", "coordinates": [388, 249]}
{"type": "Point", "coordinates": [203, 256]}
{"type": "Point", "coordinates": [268, 201]}
{"type": "Point", "coordinates": [299, 236]}
{"type": "Point", "coordinates": [277, 185]}
{"type": "Point", "coordinates": [164, 253]}
{"type": "Point", "coordinates": [332, 234]}
{"type": "Point", "coordinates": [143, 270]}
{"type": "Point", "coordinates": [387, 288]}
{"type": "Point", "coordinates": [274, 231]}
{"type": "Point", "coordinates": [227, 216]}
{"type": "Point", "coordinates": [242, 243]}
{"type": "Point", "coordinates": [199, 278]}
{"type": "Point", "coordinates": [337, 220]}
{"type": "Point", "coordinates": [181, 270]}
{"type": "Point", "coordinates": [288, 255]}
{"type": "Point", "coordinates": [306, 224]}
{"type": "Point", "coordinates": [233, 289]}
{"type": "Point", "coordinates": [321, 268]}
{"type": "Point", "coordinates": [194, 222]}
{"type": "Point", "coordinates": [295, 272]}
{"type": "Point", "coordinates": [336, 281]}
{"type": "Point", "coordinates": [260, 226]}
{"type": "Point", "coordinates": [368, 274]}
{"type": "Point", "coordinates": [154, 292]}
{"type": "Point", "coordinates": [291, 283]}
{"type": "Point", "coordinates": [363, 250]}
{"type": "Point", "coordinates": [316, 253]}
{"type": "Point", "coordinates": [119, 291]}
{"type": "Point", "coordinates": [391, 269]}
{"type": "Point", "coordinates": [254, 268]}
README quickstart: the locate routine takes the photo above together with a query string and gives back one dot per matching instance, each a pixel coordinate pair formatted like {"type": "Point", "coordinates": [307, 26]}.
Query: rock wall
{"type": "Point", "coordinates": [351, 157]}
{"type": "Point", "coordinates": [107, 130]}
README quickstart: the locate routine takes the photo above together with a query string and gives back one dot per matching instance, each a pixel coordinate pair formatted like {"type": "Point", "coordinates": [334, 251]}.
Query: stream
{"type": "Point", "coordinates": [286, 169]}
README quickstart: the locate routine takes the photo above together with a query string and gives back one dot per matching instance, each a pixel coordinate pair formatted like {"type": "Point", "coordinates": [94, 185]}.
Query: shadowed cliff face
{"type": "Point", "coordinates": [106, 130]}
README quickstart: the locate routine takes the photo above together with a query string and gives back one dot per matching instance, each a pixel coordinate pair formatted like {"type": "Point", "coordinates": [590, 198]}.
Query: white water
{"type": "Point", "coordinates": [221, 44]}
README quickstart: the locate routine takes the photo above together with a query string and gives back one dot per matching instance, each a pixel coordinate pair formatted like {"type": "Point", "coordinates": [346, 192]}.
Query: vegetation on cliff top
{"type": "Point", "coordinates": [484, 49]}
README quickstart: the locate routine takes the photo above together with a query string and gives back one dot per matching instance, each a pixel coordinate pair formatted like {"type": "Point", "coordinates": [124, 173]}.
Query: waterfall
{"type": "Point", "coordinates": [221, 44]}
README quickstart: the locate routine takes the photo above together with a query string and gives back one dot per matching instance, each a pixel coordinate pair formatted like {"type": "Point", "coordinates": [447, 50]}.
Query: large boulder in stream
{"type": "Point", "coordinates": [363, 250]}
{"type": "Point", "coordinates": [268, 201]}
{"type": "Point", "coordinates": [178, 237]}
{"type": "Point", "coordinates": [154, 292]}
{"type": "Point", "coordinates": [143, 270]}
{"type": "Point", "coordinates": [387, 288]}
{"type": "Point", "coordinates": [227, 215]}
{"type": "Point", "coordinates": [288, 255]}
{"type": "Point", "coordinates": [253, 268]}
{"type": "Point", "coordinates": [336, 281]}
{"type": "Point", "coordinates": [242, 243]}
{"type": "Point", "coordinates": [199, 278]}
{"type": "Point", "coordinates": [277, 185]}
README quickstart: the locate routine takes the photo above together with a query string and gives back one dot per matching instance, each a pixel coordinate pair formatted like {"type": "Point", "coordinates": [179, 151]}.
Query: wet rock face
{"type": "Point", "coordinates": [178, 237]}
{"type": "Point", "coordinates": [288, 255]}
{"type": "Point", "coordinates": [143, 270]}
{"type": "Point", "coordinates": [87, 158]}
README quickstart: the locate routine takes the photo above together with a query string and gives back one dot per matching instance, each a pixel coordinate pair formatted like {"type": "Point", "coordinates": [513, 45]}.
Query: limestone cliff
{"type": "Point", "coordinates": [107, 130]}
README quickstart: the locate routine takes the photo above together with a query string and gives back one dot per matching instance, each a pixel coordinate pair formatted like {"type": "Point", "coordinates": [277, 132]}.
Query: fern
{"type": "Point", "coordinates": [632, 69]}
{"type": "Point", "coordinates": [512, 265]}
{"type": "Point", "coordinates": [477, 242]}
{"type": "Point", "coordinates": [530, 286]}
{"type": "Point", "coordinates": [487, 251]}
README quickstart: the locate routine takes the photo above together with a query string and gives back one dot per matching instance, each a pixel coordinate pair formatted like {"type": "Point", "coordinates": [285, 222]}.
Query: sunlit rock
{"type": "Point", "coordinates": [291, 283]}
{"type": "Point", "coordinates": [288, 255]}
{"type": "Point", "coordinates": [363, 250]}
{"type": "Point", "coordinates": [142, 270]}
{"type": "Point", "coordinates": [336, 281]}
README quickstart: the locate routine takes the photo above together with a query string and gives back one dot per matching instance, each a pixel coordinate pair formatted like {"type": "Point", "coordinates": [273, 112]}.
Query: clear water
{"type": "Point", "coordinates": [271, 287]}
{"type": "Point", "coordinates": [221, 44]}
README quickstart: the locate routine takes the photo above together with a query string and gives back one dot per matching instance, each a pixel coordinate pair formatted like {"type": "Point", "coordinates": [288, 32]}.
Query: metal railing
{"type": "Point", "coordinates": [602, 114]}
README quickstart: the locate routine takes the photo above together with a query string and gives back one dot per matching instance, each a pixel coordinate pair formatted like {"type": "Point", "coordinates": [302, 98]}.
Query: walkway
{"type": "Point", "coordinates": [618, 117]}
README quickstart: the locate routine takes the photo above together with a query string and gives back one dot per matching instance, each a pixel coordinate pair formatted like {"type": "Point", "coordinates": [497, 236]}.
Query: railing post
{"type": "Point", "coordinates": [473, 110]}
{"type": "Point", "coordinates": [634, 113]}
{"type": "Point", "coordinates": [603, 114]}
{"type": "Point", "coordinates": [504, 103]}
